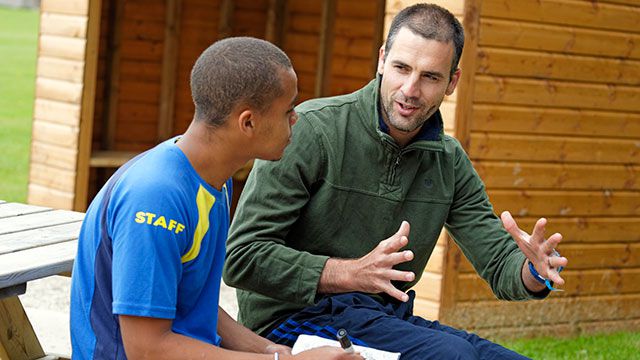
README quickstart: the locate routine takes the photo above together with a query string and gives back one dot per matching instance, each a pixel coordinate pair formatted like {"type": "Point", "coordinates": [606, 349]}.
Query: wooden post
{"type": "Point", "coordinates": [225, 29]}
{"type": "Point", "coordinates": [464, 111]}
{"type": "Point", "coordinates": [112, 80]}
{"type": "Point", "coordinates": [88, 103]}
{"type": "Point", "coordinates": [169, 65]}
{"type": "Point", "coordinates": [276, 21]}
{"type": "Point", "coordinates": [466, 85]}
{"type": "Point", "coordinates": [323, 75]}
{"type": "Point", "coordinates": [17, 340]}
{"type": "Point", "coordinates": [378, 34]}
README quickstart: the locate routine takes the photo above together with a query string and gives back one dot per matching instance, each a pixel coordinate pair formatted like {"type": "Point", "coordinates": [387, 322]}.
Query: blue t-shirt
{"type": "Point", "coordinates": [152, 244]}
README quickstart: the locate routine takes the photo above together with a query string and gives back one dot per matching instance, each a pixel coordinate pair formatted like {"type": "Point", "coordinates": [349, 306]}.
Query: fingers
{"type": "Point", "coordinates": [538, 230]}
{"type": "Point", "coordinates": [399, 257]}
{"type": "Point", "coordinates": [395, 293]}
{"type": "Point", "coordinates": [398, 240]}
{"type": "Point", "coordinates": [552, 242]}
{"type": "Point", "coordinates": [397, 275]}
{"type": "Point", "coordinates": [512, 228]}
{"type": "Point", "coordinates": [508, 222]}
{"type": "Point", "coordinates": [555, 263]}
{"type": "Point", "coordinates": [393, 244]}
{"type": "Point", "coordinates": [404, 229]}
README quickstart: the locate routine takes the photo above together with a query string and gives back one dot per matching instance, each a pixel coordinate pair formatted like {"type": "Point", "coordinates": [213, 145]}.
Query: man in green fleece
{"type": "Point", "coordinates": [305, 247]}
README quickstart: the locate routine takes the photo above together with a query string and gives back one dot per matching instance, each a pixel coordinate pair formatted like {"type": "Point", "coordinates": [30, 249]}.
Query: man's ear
{"type": "Point", "coordinates": [246, 122]}
{"type": "Point", "coordinates": [381, 60]}
{"type": "Point", "coordinates": [453, 82]}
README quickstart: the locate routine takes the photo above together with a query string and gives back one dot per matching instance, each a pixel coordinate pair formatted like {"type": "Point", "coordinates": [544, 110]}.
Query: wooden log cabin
{"type": "Point", "coordinates": [548, 109]}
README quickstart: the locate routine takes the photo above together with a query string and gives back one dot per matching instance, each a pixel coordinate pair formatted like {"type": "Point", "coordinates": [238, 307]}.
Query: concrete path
{"type": "Point", "coordinates": [47, 305]}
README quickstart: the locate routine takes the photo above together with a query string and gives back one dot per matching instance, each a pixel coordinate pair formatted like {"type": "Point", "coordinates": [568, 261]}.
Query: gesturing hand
{"type": "Point", "coordinates": [374, 271]}
{"type": "Point", "coordinates": [536, 248]}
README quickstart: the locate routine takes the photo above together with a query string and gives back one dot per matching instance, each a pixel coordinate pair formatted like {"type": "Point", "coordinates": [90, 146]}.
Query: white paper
{"type": "Point", "coordinates": [306, 342]}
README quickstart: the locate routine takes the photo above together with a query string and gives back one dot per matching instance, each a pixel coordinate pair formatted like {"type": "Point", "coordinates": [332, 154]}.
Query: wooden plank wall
{"type": "Point", "coordinates": [554, 131]}
{"type": "Point", "coordinates": [134, 64]}
{"type": "Point", "coordinates": [136, 70]}
{"type": "Point", "coordinates": [430, 290]}
{"type": "Point", "coordinates": [57, 111]}
{"type": "Point", "coordinates": [199, 28]}
{"type": "Point", "coordinates": [354, 41]}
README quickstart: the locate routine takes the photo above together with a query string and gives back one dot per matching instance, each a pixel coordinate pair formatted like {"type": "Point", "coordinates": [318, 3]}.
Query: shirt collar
{"type": "Point", "coordinates": [430, 130]}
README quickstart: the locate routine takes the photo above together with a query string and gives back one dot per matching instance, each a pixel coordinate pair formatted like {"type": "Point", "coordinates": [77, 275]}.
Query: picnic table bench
{"type": "Point", "coordinates": [35, 242]}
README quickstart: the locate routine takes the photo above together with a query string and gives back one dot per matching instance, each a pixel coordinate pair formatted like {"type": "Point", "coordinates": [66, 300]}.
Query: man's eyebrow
{"type": "Point", "coordinates": [433, 73]}
{"type": "Point", "coordinates": [430, 73]}
{"type": "Point", "coordinates": [398, 62]}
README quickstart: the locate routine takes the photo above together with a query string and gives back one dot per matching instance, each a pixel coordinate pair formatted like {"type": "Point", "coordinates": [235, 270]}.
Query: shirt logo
{"type": "Point", "coordinates": [428, 183]}
{"type": "Point", "coordinates": [143, 217]}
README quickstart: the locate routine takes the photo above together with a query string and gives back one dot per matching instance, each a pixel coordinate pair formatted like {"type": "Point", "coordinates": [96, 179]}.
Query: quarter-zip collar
{"type": "Point", "coordinates": [431, 135]}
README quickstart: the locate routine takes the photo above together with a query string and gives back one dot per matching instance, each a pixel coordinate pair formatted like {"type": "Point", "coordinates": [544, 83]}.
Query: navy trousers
{"type": "Point", "coordinates": [390, 327]}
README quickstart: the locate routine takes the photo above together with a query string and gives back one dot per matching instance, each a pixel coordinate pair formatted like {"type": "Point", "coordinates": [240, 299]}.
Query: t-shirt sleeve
{"type": "Point", "coordinates": [148, 228]}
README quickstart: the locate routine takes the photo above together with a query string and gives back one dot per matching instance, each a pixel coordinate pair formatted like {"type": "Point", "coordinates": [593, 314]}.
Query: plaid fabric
{"type": "Point", "coordinates": [390, 327]}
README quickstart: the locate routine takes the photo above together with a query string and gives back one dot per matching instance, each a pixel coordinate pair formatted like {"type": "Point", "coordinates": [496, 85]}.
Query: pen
{"type": "Point", "coordinates": [343, 338]}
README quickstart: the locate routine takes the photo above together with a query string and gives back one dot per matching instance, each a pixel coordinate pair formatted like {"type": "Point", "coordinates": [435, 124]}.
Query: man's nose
{"type": "Point", "coordinates": [410, 87]}
{"type": "Point", "coordinates": [293, 119]}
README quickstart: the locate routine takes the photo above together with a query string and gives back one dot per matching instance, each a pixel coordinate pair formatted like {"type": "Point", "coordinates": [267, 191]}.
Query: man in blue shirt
{"type": "Point", "coordinates": [146, 280]}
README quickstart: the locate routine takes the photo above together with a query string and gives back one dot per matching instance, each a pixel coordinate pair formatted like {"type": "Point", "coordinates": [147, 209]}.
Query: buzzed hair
{"type": "Point", "coordinates": [237, 70]}
{"type": "Point", "coordinates": [431, 22]}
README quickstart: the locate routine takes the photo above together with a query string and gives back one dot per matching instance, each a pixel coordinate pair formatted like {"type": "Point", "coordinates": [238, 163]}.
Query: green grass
{"type": "Point", "coordinates": [18, 44]}
{"type": "Point", "coordinates": [597, 347]}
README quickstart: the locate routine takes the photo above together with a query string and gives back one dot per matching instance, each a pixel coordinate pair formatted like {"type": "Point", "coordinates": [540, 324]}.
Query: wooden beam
{"type": "Point", "coordinates": [225, 27]}
{"type": "Point", "coordinates": [17, 340]}
{"type": "Point", "coordinates": [276, 21]}
{"type": "Point", "coordinates": [13, 290]}
{"type": "Point", "coordinates": [464, 113]}
{"type": "Point", "coordinates": [325, 52]}
{"type": "Point", "coordinates": [112, 80]}
{"type": "Point", "coordinates": [169, 65]}
{"type": "Point", "coordinates": [111, 159]}
{"type": "Point", "coordinates": [378, 34]}
{"type": "Point", "coordinates": [88, 103]}
{"type": "Point", "coordinates": [466, 84]}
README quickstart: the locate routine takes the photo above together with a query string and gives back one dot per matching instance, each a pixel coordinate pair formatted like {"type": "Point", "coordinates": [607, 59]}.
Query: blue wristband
{"type": "Point", "coordinates": [539, 277]}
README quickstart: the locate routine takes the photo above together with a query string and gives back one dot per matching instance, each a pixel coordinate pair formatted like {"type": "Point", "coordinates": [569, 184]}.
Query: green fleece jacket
{"type": "Point", "coordinates": [342, 186]}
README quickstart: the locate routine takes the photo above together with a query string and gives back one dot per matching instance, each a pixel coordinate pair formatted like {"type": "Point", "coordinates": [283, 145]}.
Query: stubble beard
{"type": "Point", "coordinates": [410, 124]}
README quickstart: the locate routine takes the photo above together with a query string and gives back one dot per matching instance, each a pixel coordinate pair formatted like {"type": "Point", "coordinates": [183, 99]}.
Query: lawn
{"type": "Point", "coordinates": [600, 347]}
{"type": "Point", "coordinates": [18, 44]}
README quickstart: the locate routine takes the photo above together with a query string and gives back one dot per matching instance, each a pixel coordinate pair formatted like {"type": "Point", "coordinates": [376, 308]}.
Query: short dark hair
{"type": "Point", "coordinates": [431, 22]}
{"type": "Point", "coordinates": [233, 71]}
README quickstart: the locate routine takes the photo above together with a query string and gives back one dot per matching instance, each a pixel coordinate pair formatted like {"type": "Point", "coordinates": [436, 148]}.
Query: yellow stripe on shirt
{"type": "Point", "coordinates": [205, 202]}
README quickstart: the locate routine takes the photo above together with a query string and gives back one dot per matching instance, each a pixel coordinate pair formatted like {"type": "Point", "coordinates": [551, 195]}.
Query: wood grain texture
{"type": "Point", "coordinates": [552, 121]}
{"type": "Point", "coordinates": [528, 175]}
{"type": "Point", "coordinates": [542, 65]}
{"type": "Point", "coordinates": [567, 12]}
{"type": "Point", "coordinates": [515, 34]}
{"type": "Point", "coordinates": [18, 340]}
{"type": "Point", "coordinates": [554, 93]}
{"type": "Point", "coordinates": [553, 149]}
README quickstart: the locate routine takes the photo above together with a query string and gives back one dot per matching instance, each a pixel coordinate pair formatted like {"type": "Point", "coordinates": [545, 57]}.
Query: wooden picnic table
{"type": "Point", "coordinates": [35, 242]}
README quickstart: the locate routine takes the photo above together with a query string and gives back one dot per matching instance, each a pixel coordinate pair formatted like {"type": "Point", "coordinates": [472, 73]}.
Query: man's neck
{"type": "Point", "coordinates": [213, 155]}
{"type": "Point", "coordinates": [402, 138]}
